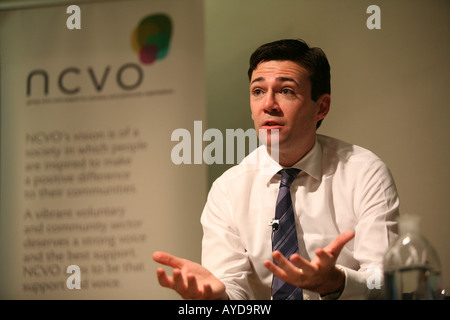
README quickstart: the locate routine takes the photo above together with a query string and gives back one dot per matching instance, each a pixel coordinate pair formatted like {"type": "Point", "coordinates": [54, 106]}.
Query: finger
{"type": "Point", "coordinates": [280, 259]}
{"type": "Point", "coordinates": [272, 267]}
{"type": "Point", "coordinates": [302, 263]}
{"type": "Point", "coordinates": [207, 291]}
{"type": "Point", "coordinates": [281, 274]}
{"type": "Point", "coordinates": [168, 259]}
{"type": "Point", "coordinates": [338, 243]}
{"type": "Point", "coordinates": [178, 281]}
{"type": "Point", "coordinates": [276, 271]}
{"type": "Point", "coordinates": [163, 279]}
{"type": "Point", "coordinates": [192, 289]}
{"type": "Point", "coordinates": [290, 269]}
{"type": "Point", "coordinates": [325, 257]}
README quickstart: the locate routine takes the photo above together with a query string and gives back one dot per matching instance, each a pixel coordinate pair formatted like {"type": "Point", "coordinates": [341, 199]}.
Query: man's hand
{"type": "Point", "coordinates": [191, 280]}
{"type": "Point", "coordinates": [320, 275]}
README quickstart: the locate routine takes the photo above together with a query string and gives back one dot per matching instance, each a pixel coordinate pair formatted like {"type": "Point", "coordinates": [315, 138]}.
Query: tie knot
{"type": "Point", "coordinates": [287, 176]}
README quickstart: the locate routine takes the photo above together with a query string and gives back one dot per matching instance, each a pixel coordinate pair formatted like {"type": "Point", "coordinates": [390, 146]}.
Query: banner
{"type": "Point", "coordinates": [90, 97]}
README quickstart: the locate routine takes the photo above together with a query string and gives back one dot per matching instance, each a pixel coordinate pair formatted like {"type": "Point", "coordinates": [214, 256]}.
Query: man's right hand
{"type": "Point", "coordinates": [189, 279]}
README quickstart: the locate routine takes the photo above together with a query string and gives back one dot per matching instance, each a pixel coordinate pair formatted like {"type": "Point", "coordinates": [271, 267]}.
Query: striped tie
{"type": "Point", "coordinates": [285, 236]}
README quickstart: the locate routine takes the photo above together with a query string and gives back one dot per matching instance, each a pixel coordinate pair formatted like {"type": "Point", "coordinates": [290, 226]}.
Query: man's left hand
{"type": "Point", "coordinates": [320, 275]}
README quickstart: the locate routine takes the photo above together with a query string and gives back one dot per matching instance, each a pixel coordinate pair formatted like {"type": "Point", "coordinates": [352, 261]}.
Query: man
{"type": "Point", "coordinates": [344, 199]}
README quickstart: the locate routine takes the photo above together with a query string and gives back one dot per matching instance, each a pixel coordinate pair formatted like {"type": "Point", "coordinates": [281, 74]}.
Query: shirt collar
{"type": "Point", "coordinates": [310, 164]}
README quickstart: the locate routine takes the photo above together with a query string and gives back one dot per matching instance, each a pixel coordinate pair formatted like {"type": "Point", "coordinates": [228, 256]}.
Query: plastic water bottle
{"type": "Point", "coordinates": [412, 270]}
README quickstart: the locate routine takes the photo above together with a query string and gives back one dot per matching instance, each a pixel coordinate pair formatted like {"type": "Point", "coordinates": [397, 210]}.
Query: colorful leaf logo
{"type": "Point", "coordinates": [151, 38]}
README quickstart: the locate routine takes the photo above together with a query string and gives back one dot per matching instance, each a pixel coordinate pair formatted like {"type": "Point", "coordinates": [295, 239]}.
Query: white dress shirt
{"type": "Point", "coordinates": [340, 187]}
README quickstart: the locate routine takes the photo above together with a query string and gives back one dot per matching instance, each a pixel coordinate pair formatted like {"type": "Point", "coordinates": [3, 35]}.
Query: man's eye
{"type": "Point", "coordinates": [257, 92]}
{"type": "Point", "coordinates": [287, 91]}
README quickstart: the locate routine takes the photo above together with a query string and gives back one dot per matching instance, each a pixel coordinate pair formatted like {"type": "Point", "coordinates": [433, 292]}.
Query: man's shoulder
{"type": "Point", "coordinates": [250, 166]}
{"type": "Point", "coordinates": [333, 147]}
{"type": "Point", "coordinates": [343, 158]}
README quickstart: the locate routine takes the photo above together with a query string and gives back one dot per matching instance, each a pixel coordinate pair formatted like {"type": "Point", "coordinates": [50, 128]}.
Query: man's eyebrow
{"type": "Point", "coordinates": [280, 79]}
{"type": "Point", "coordinates": [283, 79]}
{"type": "Point", "coordinates": [257, 79]}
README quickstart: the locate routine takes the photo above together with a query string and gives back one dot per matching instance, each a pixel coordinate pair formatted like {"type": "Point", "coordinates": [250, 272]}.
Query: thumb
{"type": "Point", "coordinates": [338, 243]}
{"type": "Point", "coordinates": [168, 259]}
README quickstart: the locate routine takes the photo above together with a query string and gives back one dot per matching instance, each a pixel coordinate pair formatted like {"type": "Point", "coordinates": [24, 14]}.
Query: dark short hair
{"type": "Point", "coordinates": [312, 59]}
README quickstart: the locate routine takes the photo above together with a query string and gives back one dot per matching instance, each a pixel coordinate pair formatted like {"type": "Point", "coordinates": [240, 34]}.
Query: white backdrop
{"type": "Point", "coordinates": [86, 171]}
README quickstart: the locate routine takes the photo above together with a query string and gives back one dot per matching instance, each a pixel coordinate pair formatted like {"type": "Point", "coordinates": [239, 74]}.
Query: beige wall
{"type": "Point", "coordinates": [389, 86]}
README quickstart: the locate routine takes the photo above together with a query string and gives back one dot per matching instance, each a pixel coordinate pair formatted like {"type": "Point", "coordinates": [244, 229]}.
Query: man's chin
{"type": "Point", "coordinates": [269, 137]}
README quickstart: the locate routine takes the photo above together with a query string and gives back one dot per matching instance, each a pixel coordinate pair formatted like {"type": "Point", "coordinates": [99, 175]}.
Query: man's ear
{"type": "Point", "coordinates": [323, 103]}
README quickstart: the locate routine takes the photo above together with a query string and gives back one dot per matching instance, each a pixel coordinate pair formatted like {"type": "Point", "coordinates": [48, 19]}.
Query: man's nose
{"type": "Point", "coordinates": [271, 104]}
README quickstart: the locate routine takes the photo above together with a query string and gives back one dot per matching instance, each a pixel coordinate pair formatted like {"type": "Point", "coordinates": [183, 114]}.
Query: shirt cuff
{"type": "Point", "coordinates": [335, 295]}
{"type": "Point", "coordinates": [356, 286]}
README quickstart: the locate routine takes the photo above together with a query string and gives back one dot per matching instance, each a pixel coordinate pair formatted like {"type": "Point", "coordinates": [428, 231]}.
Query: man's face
{"type": "Point", "coordinates": [280, 98]}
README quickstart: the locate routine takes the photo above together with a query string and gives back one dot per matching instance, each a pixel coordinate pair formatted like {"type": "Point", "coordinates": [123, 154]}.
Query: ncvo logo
{"type": "Point", "coordinates": [128, 76]}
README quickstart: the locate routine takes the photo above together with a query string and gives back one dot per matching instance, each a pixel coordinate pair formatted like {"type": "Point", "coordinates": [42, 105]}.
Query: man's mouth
{"type": "Point", "coordinates": [271, 124]}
